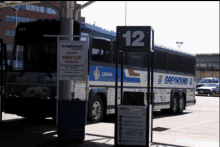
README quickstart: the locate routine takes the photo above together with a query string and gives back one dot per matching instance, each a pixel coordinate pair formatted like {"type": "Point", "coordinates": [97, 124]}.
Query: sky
{"type": "Point", "coordinates": [196, 24]}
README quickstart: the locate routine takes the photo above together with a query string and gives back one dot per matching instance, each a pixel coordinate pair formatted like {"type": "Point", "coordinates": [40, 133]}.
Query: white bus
{"type": "Point", "coordinates": [31, 91]}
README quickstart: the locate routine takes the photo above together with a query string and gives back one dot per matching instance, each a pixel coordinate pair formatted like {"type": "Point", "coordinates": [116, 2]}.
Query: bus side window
{"type": "Point", "coordinates": [172, 62]}
{"type": "Point", "coordinates": [161, 60]}
{"type": "Point", "coordinates": [182, 64]}
{"type": "Point", "coordinates": [135, 60]}
{"type": "Point", "coordinates": [101, 50]}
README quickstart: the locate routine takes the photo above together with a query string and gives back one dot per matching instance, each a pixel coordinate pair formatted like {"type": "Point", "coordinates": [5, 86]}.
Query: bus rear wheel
{"type": "Point", "coordinates": [174, 104]}
{"type": "Point", "coordinates": [96, 109]}
{"type": "Point", "coordinates": [213, 93]}
{"type": "Point", "coordinates": [180, 105]}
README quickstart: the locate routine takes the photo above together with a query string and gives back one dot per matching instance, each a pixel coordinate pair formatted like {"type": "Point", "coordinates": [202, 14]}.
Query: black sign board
{"type": "Point", "coordinates": [135, 38]}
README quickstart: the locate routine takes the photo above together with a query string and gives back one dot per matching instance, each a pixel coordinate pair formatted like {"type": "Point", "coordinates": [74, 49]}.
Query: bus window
{"type": "Point", "coordinates": [161, 60]}
{"type": "Point", "coordinates": [33, 52]}
{"type": "Point", "coordinates": [101, 50]}
{"type": "Point", "coordinates": [172, 62]}
{"type": "Point", "coordinates": [182, 64]}
{"type": "Point", "coordinates": [126, 55]}
{"type": "Point", "coordinates": [191, 65]}
{"type": "Point", "coordinates": [135, 60]}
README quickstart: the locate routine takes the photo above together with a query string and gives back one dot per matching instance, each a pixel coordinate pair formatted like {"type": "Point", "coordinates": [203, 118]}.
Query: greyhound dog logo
{"type": "Point", "coordinates": [97, 73]}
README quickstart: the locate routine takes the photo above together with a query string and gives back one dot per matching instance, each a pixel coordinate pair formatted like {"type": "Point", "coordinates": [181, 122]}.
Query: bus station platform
{"type": "Point", "coordinates": [25, 132]}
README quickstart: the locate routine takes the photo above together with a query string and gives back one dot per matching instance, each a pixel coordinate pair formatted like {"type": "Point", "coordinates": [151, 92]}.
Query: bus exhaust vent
{"type": "Point", "coordinates": [160, 129]}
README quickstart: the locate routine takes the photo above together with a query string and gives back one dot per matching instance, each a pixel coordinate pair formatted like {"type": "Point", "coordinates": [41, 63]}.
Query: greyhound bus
{"type": "Point", "coordinates": [31, 90]}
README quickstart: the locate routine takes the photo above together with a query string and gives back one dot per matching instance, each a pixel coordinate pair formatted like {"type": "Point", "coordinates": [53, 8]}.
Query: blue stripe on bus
{"type": "Point", "coordinates": [107, 74]}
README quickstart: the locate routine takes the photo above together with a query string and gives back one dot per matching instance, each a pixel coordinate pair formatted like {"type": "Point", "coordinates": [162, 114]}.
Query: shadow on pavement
{"type": "Point", "coordinates": [36, 133]}
{"type": "Point", "coordinates": [43, 133]}
{"type": "Point", "coordinates": [157, 144]}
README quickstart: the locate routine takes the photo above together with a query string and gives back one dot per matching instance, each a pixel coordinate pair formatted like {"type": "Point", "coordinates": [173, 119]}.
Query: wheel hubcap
{"type": "Point", "coordinates": [96, 111]}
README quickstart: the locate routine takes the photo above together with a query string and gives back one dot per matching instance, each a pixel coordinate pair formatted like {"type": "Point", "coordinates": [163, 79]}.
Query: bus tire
{"type": "Point", "coordinates": [96, 109]}
{"type": "Point", "coordinates": [174, 105]}
{"type": "Point", "coordinates": [213, 93]}
{"type": "Point", "coordinates": [180, 105]}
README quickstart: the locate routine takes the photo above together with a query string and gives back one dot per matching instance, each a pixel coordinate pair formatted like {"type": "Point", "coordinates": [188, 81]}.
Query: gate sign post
{"type": "Point", "coordinates": [133, 124]}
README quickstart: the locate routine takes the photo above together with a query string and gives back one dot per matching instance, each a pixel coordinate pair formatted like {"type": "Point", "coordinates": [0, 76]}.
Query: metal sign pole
{"type": "Point", "coordinates": [116, 93]}
{"type": "Point", "coordinates": [152, 84]}
{"type": "Point", "coordinates": [148, 97]}
{"type": "Point", "coordinates": [122, 69]}
{"type": "Point", "coordinates": [58, 77]}
{"type": "Point", "coordinates": [86, 74]}
{"type": "Point", "coordinates": [1, 45]}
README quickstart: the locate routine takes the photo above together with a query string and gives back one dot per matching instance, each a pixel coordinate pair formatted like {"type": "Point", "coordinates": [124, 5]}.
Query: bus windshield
{"type": "Point", "coordinates": [40, 57]}
{"type": "Point", "coordinates": [205, 81]}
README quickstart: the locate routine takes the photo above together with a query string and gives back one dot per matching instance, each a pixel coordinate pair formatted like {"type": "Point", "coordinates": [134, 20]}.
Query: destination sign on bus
{"type": "Point", "coordinates": [72, 60]}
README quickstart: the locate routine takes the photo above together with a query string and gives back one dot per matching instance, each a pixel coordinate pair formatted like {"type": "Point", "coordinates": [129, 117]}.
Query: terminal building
{"type": "Point", "coordinates": [25, 13]}
{"type": "Point", "coordinates": [207, 65]}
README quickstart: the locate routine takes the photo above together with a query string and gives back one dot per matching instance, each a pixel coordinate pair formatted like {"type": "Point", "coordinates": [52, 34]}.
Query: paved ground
{"type": "Point", "coordinates": [197, 126]}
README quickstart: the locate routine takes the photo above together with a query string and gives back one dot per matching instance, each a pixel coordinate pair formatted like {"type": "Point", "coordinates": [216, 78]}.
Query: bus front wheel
{"type": "Point", "coordinates": [96, 109]}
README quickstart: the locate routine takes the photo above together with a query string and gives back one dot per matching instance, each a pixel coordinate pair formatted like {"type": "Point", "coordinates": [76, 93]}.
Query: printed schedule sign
{"type": "Point", "coordinates": [73, 58]}
{"type": "Point", "coordinates": [131, 125]}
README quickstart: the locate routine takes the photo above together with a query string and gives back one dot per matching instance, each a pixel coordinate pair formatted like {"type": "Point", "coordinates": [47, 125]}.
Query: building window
{"type": "Point", "coordinates": [18, 6]}
{"type": "Point", "coordinates": [7, 32]}
{"type": "Point", "coordinates": [37, 8]}
{"type": "Point", "coordinates": [13, 19]}
{"type": "Point", "coordinates": [20, 48]}
{"type": "Point", "coordinates": [27, 19]}
{"type": "Point", "coordinates": [28, 7]}
{"type": "Point", "coordinates": [18, 19]}
{"type": "Point", "coordinates": [48, 10]}
{"type": "Point", "coordinates": [22, 19]}
{"type": "Point", "coordinates": [33, 8]}
{"type": "Point", "coordinates": [41, 9]}
{"type": "Point", "coordinates": [23, 7]}
{"type": "Point", "coordinates": [53, 11]}
{"type": "Point", "coordinates": [10, 33]}
{"type": "Point", "coordinates": [9, 47]}
{"type": "Point", "coordinates": [7, 18]}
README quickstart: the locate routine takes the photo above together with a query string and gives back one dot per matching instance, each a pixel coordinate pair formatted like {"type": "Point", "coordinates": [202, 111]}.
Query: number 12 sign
{"type": "Point", "coordinates": [135, 38]}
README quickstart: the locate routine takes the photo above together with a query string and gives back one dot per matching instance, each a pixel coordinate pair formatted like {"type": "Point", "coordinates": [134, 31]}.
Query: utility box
{"type": "Point", "coordinates": [71, 120]}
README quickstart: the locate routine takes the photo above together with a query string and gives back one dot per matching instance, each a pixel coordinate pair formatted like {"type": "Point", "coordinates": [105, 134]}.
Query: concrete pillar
{"type": "Point", "coordinates": [66, 87]}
